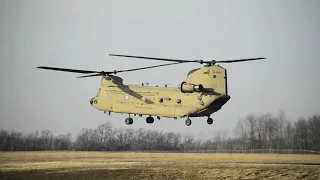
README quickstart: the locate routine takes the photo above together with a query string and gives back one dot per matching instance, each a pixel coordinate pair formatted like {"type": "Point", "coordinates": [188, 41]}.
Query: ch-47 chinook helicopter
{"type": "Point", "coordinates": [203, 93]}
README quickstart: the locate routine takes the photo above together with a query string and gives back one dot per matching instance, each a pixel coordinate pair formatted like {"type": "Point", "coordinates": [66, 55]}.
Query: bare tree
{"type": "Point", "coordinates": [62, 142]}
{"type": "Point", "coordinates": [103, 134]}
{"type": "Point", "coordinates": [46, 139]}
{"type": "Point", "coordinates": [86, 140]}
{"type": "Point", "coordinates": [251, 122]}
{"type": "Point", "coordinates": [241, 133]}
{"type": "Point", "coordinates": [314, 130]}
{"type": "Point", "coordinates": [4, 137]}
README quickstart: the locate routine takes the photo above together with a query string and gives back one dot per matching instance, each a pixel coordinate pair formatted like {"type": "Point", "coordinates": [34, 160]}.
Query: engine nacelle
{"type": "Point", "coordinates": [190, 88]}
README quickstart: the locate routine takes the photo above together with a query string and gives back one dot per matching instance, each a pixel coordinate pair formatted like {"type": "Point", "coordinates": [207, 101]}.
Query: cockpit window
{"type": "Point", "coordinates": [98, 92]}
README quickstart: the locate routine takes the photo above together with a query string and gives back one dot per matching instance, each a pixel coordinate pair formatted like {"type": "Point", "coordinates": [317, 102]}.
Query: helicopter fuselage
{"type": "Point", "coordinates": [157, 101]}
{"type": "Point", "coordinates": [203, 93]}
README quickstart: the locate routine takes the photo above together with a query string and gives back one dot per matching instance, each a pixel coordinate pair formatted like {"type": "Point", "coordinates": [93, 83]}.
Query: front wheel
{"type": "Point", "coordinates": [209, 121]}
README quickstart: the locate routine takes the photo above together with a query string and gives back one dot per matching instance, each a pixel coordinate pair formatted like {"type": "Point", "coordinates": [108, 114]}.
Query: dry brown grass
{"type": "Point", "coordinates": [100, 165]}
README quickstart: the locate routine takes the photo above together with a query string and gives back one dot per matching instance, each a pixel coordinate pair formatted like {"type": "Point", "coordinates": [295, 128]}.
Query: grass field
{"type": "Point", "coordinates": [100, 165]}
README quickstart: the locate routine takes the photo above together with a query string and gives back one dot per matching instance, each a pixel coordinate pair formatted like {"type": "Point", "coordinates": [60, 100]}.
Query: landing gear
{"type": "Point", "coordinates": [188, 122]}
{"type": "Point", "coordinates": [128, 121]}
{"type": "Point", "coordinates": [158, 117]}
{"type": "Point", "coordinates": [150, 120]}
{"type": "Point", "coordinates": [209, 121]}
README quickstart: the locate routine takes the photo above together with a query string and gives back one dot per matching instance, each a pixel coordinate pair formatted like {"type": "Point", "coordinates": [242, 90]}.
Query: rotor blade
{"type": "Point", "coordinates": [154, 58]}
{"type": "Point", "coordinates": [92, 75]}
{"type": "Point", "coordinates": [68, 70]}
{"type": "Point", "coordinates": [239, 60]}
{"type": "Point", "coordinates": [127, 70]}
{"type": "Point", "coordinates": [97, 73]}
{"type": "Point", "coordinates": [148, 67]}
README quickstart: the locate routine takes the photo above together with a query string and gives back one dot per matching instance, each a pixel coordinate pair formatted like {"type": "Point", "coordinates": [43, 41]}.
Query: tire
{"type": "Point", "coordinates": [128, 121]}
{"type": "Point", "coordinates": [150, 120]}
{"type": "Point", "coordinates": [188, 122]}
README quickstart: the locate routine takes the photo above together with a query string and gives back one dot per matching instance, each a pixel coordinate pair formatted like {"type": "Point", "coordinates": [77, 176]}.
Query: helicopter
{"type": "Point", "coordinates": [204, 92]}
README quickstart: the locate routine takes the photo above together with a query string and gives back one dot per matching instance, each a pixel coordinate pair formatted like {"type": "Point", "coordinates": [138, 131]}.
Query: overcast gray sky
{"type": "Point", "coordinates": [81, 34]}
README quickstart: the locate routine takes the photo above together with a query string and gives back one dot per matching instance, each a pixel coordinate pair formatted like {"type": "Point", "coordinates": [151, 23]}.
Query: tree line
{"type": "Point", "coordinates": [265, 131]}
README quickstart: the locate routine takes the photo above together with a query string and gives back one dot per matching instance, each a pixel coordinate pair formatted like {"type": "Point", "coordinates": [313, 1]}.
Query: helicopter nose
{"type": "Point", "coordinates": [91, 101]}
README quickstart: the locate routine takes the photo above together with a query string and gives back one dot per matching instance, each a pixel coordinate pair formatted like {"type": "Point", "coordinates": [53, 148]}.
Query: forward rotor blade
{"type": "Point", "coordinates": [239, 60]}
{"type": "Point", "coordinates": [68, 70]}
{"type": "Point", "coordinates": [148, 67]}
{"type": "Point", "coordinates": [126, 70]}
{"type": "Point", "coordinates": [92, 75]}
{"type": "Point", "coordinates": [155, 58]}
{"type": "Point", "coordinates": [101, 73]}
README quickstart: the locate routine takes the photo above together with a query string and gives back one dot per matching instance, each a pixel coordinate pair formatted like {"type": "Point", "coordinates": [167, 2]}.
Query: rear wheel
{"type": "Point", "coordinates": [128, 121]}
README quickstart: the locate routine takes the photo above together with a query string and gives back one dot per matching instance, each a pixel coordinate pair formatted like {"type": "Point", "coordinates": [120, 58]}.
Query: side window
{"type": "Point", "coordinates": [126, 97]}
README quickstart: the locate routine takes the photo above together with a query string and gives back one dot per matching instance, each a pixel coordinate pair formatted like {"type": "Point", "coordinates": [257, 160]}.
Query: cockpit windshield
{"type": "Point", "coordinates": [98, 92]}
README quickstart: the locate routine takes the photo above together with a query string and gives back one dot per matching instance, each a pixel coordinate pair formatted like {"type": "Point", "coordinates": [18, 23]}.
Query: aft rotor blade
{"type": "Point", "coordinates": [155, 58]}
{"type": "Point", "coordinates": [239, 60]}
{"type": "Point", "coordinates": [148, 67]}
{"type": "Point", "coordinates": [188, 61]}
{"type": "Point", "coordinates": [68, 70]}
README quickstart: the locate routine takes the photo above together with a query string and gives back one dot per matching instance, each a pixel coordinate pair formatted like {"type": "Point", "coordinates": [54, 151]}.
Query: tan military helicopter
{"type": "Point", "coordinates": [203, 93]}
